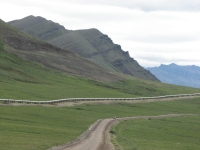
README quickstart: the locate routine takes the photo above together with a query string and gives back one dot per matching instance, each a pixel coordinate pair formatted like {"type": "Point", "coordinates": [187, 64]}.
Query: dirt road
{"type": "Point", "coordinates": [97, 137]}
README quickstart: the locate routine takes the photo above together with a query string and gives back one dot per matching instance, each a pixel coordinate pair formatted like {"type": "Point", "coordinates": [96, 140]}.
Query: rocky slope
{"type": "Point", "coordinates": [90, 44]}
{"type": "Point", "coordinates": [29, 48]}
{"type": "Point", "coordinates": [179, 75]}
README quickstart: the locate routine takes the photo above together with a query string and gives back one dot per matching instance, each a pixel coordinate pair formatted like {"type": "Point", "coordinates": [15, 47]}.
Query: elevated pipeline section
{"type": "Point", "coordinates": [7, 101]}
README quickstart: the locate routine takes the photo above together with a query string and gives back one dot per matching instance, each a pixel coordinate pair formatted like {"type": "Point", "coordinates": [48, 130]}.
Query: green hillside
{"type": "Point", "coordinates": [25, 80]}
{"type": "Point", "coordinates": [22, 79]}
{"type": "Point", "coordinates": [32, 69]}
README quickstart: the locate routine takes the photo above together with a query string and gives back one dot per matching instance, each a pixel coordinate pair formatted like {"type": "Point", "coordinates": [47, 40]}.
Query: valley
{"type": "Point", "coordinates": [32, 69]}
{"type": "Point", "coordinates": [52, 126]}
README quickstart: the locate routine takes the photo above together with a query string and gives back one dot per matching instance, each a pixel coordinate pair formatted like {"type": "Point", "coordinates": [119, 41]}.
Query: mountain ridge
{"type": "Point", "coordinates": [88, 43]}
{"type": "Point", "coordinates": [175, 74]}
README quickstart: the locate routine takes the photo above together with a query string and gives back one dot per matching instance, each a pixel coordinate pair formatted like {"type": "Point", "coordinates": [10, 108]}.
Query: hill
{"type": "Point", "coordinates": [35, 70]}
{"type": "Point", "coordinates": [179, 75]}
{"type": "Point", "coordinates": [27, 71]}
{"type": "Point", "coordinates": [90, 44]}
{"type": "Point", "coordinates": [32, 49]}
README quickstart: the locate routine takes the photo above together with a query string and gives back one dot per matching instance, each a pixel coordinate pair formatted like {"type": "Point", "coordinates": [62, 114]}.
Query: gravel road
{"type": "Point", "coordinates": [97, 137]}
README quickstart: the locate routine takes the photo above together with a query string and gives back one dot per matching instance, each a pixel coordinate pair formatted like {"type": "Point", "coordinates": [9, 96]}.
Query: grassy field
{"type": "Point", "coordinates": [39, 128]}
{"type": "Point", "coordinates": [178, 133]}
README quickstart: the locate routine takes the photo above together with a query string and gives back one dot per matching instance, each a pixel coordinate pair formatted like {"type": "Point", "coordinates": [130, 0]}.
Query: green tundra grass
{"type": "Point", "coordinates": [21, 79]}
{"type": "Point", "coordinates": [178, 133]}
{"type": "Point", "coordinates": [39, 127]}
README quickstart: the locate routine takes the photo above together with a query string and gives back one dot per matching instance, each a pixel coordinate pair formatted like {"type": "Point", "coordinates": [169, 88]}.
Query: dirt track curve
{"type": "Point", "coordinates": [97, 137]}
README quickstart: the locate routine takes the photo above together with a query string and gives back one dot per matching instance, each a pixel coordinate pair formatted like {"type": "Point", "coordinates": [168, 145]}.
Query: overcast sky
{"type": "Point", "coordinates": [153, 31]}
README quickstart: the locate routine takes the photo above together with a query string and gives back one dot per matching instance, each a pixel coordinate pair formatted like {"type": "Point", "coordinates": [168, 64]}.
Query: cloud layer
{"type": "Point", "coordinates": [154, 32]}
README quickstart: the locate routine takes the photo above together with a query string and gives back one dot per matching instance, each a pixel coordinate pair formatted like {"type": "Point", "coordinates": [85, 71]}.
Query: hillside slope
{"type": "Point", "coordinates": [179, 75]}
{"type": "Point", "coordinates": [32, 49]}
{"type": "Point", "coordinates": [20, 79]}
{"type": "Point", "coordinates": [90, 44]}
{"type": "Point", "coordinates": [34, 79]}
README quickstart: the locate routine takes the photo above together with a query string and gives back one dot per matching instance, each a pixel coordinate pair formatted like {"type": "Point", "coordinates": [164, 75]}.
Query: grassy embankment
{"type": "Point", "coordinates": [37, 127]}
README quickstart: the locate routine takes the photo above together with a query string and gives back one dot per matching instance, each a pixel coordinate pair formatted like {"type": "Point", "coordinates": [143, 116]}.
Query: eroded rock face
{"type": "Point", "coordinates": [90, 44]}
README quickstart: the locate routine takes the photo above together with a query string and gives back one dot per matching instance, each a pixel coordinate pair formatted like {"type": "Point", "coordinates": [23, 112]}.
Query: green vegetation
{"type": "Point", "coordinates": [37, 127]}
{"type": "Point", "coordinates": [139, 87]}
{"type": "Point", "coordinates": [24, 80]}
{"type": "Point", "coordinates": [21, 79]}
{"type": "Point", "coordinates": [179, 133]}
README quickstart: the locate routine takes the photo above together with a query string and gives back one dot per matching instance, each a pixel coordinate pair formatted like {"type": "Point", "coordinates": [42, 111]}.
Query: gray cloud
{"type": "Point", "coordinates": [147, 5]}
{"type": "Point", "coordinates": [154, 32]}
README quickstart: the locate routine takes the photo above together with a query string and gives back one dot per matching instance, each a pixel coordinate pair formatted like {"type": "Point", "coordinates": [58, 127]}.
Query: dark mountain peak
{"type": "Point", "coordinates": [195, 67]}
{"type": "Point", "coordinates": [34, 17]}
{"type": "Point", "coordinates": [91, 30]}
{"type": "Point", "coordinates": [173, 64]}
{"type": "Point", "coordinates": [40, 27]}
{"type": "Point", "coordinates": [32, 20]}
{"type": "Point", "coordinates": [162, 65]}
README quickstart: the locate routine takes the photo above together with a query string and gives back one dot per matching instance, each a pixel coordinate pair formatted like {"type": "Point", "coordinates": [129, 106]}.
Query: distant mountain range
{"type": "Point", "coordinates": [90, 44]}
{"type": "Point", "coordinates": [179, 75]}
